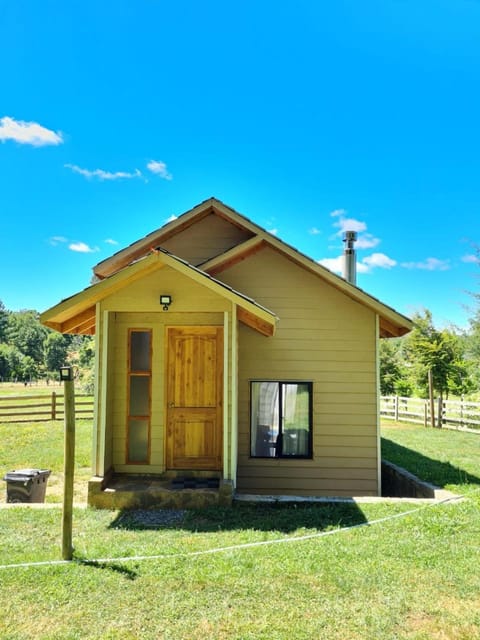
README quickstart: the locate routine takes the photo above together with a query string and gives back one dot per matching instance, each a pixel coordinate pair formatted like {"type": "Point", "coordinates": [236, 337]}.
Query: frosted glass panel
{"type": "Point", "coordinates": [140, 350]}
{"type": "Point", "coordinates": [139, 395]}
{"type": "Point", "coordinates": [137, 440]}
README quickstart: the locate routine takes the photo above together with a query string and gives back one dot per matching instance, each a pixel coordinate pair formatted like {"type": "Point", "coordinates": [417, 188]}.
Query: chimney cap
{"type": "Point", "coordinates": [350, 235]}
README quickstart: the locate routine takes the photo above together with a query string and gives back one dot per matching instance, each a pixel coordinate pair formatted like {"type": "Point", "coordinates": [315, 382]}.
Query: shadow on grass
{"type": "Point", "coordinates": [109, 566]}
{"type": "Point", "coordinates": [425, 468]}
{"type": "Point", "coordinates": [284, 518]}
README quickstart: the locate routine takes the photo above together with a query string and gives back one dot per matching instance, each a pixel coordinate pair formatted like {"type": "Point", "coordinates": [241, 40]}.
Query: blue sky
{"type": "Point", "coordinates": [306, 116]}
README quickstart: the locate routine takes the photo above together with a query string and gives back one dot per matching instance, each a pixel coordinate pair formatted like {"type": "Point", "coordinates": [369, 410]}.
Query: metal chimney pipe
{"type": "Point", "coordinates": [349, 258]}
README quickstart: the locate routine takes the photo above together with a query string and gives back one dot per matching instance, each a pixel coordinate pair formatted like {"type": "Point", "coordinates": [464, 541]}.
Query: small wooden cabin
{"type": "Point", "coordinates": [222, 351]}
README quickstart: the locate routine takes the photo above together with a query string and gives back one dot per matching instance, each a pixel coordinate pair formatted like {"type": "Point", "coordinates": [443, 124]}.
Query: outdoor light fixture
{"type": "Point", "coordinates": [66, 373]}
{"type": "Point", "coordinates": [166, 301]}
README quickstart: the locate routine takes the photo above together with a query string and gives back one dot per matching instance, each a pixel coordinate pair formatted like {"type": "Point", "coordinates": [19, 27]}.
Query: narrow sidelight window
{"type": "Point", "coordinates": [139, 385]}
{"type": "Point", "coordinates": [281, 419]}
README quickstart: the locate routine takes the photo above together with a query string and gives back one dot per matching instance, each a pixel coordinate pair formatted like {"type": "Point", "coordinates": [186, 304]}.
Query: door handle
{"type": "Point", "coordinates": [171, 405]}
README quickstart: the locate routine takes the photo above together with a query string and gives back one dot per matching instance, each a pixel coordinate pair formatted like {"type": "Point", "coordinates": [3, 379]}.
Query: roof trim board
{"type": "Point", "coordinates": [76, 314]}
{"type": "Point", "coordinates": [393, 324]}
{"type": "Point", "coordinates": [137, 249]}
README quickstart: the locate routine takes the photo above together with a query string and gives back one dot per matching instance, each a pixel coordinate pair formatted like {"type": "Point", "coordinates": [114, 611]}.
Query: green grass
{"type": "Point", "coordinates": [409, 578]}
{"type": "Point", "coordinates": [449, 459]}
{"type": "Point", "coordinates": [414, 577]}
{"type": "Point", "coordinates": [39, 445]}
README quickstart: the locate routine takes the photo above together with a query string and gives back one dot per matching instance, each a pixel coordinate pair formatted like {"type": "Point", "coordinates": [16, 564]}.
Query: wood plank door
{"type": "Point", "coordinates": [195, 398]}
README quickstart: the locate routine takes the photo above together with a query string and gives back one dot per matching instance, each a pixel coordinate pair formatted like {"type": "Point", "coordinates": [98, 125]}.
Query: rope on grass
{"type": "Point", "coordinates": [245, 545]}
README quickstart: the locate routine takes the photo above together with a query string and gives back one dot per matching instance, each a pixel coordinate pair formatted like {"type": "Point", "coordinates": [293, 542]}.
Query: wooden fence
{"type": "Point", "coordinates": [453, 414]}
{"type": "Point", "coordinates": [40, 408]}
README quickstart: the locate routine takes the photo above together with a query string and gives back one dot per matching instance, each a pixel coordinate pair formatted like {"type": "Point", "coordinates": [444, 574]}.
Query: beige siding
{"type": "Point", "coordinates": [102, 454]}
{"type": "Point", "coordinates": [138, 307]}
{"type": "Point", "coordinates": [324, 337]}
{"type": "Point", "coordinates": [207, 238]}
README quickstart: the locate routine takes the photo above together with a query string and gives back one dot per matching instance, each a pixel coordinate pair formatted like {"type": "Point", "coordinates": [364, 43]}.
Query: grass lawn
{"type": "Point", "coordinates": [39, 445]}
{"type": "Point", "coordinates": [414, 577]}
{"type": "Point", "coordinates": [449, 459]}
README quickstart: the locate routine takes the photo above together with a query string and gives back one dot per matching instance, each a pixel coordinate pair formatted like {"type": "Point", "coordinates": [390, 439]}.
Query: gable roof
{"type": "Point", "coordinates": [392, 323]}
{"type": "Point", "coordinates": [152, 240]}
{"type": "Point", "coordinates": [76, 314]}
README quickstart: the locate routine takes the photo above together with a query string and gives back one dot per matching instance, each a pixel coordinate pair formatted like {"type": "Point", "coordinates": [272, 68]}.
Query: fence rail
{"type": "Point", "coordinates": [452, 414]}
{"type": "Point", "coordinates": [41, 408]}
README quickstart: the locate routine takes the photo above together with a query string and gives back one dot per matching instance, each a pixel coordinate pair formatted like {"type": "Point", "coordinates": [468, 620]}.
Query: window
{"type": "Point", "coordinates": [139, 384]}
{"type": "Point", "coordinates": [281, 419]}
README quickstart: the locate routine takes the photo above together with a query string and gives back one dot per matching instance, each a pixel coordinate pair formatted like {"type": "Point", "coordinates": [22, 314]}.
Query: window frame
{"type": "Point", "coordinates": [280, 455]}
{"type": "Point", "coordinates": [145, 418]}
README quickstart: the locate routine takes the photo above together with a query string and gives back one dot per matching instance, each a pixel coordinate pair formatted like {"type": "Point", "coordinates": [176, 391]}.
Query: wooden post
{"type": "Point", "coordinates": [431, 398]}
{"type": "Point", "coordinates": [69, 463]}
{"type": "Point", "coordinates": [425, 414]}
{"type": "Point", "coordinates": [440, 413]}
{"type": "Point", "coordinates": [395, 407]}
{"type": "Point", "coordinates": [54, 405]}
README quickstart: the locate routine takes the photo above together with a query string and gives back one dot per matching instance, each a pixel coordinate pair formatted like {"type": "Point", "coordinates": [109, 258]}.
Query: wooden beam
{"type": "Point", "coordinates": [234, 256]}
{"type": "Point", "coordinates": [389, 330]}
{"type": "Point", "coordinates": [143, 246]}
{"type": "Point", "coordinates": [86, 299]}
{"type": "Point", "coordinates": [254, 322]}
{"type": "Point", "coordinates": [80, 323]}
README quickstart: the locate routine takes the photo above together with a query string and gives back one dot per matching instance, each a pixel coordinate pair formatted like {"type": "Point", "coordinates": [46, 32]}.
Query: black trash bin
{"type": "Point", "coordinates": [26, 485]}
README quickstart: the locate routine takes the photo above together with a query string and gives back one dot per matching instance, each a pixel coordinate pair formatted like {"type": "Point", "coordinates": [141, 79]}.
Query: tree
{"type": "Point", "coordinates": [27, 334]}
{"type": "Point", "coordinates": [440, 352]}
{"type": "Point", "coordinates": [3, 322]}
{"type": "Point", "coordinates": [394, 372]}
{"type": "Point", "coordinates": [28, 369]}
{"type": "Point", "coordinates": [55, 348]}
{"type": "Point", "coordinates": [10, 362]}
{"type": "Point", "coordinates": [86, 353]}
{"type": "Point", "coordinates": [390, 368]}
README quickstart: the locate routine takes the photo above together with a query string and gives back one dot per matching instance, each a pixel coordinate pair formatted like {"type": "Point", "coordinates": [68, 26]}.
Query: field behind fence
{"type": "Point", "coordinates": [452, 414]}
{"type": "Point", "coordinates": [42, 407]}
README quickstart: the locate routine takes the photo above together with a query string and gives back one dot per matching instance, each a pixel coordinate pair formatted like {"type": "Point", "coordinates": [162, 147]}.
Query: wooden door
{"type": "Point", "coordinates": [194, 398]}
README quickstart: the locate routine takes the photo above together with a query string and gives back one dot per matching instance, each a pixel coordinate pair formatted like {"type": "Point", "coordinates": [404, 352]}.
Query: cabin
{"type": "Point", "coordinates": [227, 362]}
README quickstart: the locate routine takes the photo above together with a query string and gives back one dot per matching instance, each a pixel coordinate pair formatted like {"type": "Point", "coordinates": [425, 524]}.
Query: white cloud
{"type": "Point", "coordinates": [334, 264]}
{"type": "Point", "coordinates": [111, 241]}
{"type": "Point", "coordinates": [104, 175]}
{"type": "Point", "coordinates": [366, 241]}
{"type": "Point", "coordinates": [314, 231]}
{"type": "Point", "coordinates": [374, 261]}
{"type": "Point", "coordinates": [349, 224]}
{"type": "Point", "coordinates": [56, 240]}
{"type": "Point", "coordinates": [471, 258]}
{"type": "Point", "coordinates": [28, 133]}
{"type": "Point", "coordinates": [159, 168]}
{"type": "Point", "coordinates": [81, 247]}
{"type": "Point", "coordinates": [273, 231]}
{"type": "Point", "coordinates": [430, 264]}
{"type": "Point", "coordinates": [171, 218]}
{"type": "Point", "coordinates": [379, 260]}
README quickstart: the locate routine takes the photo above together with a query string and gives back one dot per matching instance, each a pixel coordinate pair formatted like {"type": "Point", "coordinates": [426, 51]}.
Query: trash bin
{"type": "Point", "coordinates": [27, 485]}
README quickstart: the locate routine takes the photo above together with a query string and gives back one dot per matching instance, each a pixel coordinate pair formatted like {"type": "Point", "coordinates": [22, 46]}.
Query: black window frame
{"type": "Point", "coordinates": [278, 446]}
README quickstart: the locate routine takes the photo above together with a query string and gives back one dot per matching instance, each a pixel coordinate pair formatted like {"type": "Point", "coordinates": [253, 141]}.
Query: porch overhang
{"type": "Point", "coordinates": [77, 314]}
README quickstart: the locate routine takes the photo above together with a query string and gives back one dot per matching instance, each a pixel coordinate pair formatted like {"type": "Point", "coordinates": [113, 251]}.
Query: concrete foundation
{"type": "Point", "coordinates": [143, 491]}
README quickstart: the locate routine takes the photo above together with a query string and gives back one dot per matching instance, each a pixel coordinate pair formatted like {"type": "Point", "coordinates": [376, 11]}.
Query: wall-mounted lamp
{"type": "Point", "coordinates": [66, 373]}
{"type": "Point", "coordinates": [166, 301]}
